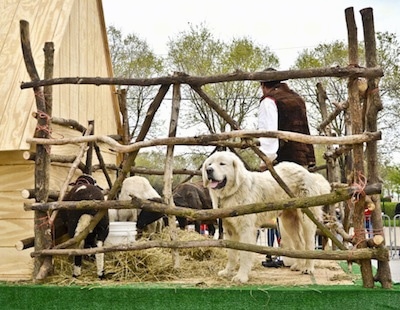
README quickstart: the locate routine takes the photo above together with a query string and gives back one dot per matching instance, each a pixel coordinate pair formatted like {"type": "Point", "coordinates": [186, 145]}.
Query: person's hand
{"type": "Point", "coordinates": [311, 167]}
{"type": "Point", "coordinates": [263, 166]}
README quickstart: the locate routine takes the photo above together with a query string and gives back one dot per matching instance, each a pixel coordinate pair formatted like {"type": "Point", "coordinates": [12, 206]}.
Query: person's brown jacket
{"type": "Point", "coordinates": [292, 116]}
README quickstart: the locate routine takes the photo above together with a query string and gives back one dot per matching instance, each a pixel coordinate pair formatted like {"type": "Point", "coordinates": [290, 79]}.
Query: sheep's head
{"type": "Point", "coordinates": [85, 179]}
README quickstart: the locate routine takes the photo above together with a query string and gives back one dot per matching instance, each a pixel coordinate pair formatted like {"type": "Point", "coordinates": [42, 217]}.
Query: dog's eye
{"type": "Point", "coordinates": [222, 164]}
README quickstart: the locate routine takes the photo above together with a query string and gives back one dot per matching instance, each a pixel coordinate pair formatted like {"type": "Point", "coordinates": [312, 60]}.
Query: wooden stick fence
{"type": "Point", "coordinates": [237, 138]}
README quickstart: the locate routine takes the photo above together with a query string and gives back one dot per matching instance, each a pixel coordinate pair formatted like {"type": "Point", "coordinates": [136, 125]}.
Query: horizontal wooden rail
{"type": "Point", "coordinates": [337, 195]}
{"type": "Point", "coordinates": [238, 75]}
{"type": "Point", "coordinates": [380, 254]}
{"type": "Point", "coordinates": [204, 139]}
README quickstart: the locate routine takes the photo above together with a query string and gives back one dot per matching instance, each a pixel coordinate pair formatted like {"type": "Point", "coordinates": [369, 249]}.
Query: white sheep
{"type": "Point", "coordinates": [141, 188]}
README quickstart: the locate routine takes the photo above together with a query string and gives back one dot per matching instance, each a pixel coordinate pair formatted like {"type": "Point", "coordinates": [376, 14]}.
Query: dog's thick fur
{"type": "Point", "coordinates": [231, 184]}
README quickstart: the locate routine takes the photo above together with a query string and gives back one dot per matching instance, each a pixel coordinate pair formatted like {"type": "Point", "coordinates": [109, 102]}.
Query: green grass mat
{"type": "Point", "coordinates": [154, 296]}
{"type": "Point", "coordinates": [179, 297]}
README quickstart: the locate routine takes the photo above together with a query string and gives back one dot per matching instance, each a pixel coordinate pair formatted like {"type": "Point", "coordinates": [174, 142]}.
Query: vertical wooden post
{"type": "Point", "coordinates": [358, 168]}
{"type": "Point", "coordinates": [169, 165]}
{"type": "Point", "coordinates": [89, 153]}
{"type": "Point", "coordinates": [42, 229]}
{"type": "Point", "coordinates": [129, 161]}
{"type": "Point", "coordinates": [331, 162]}
{"type": "Point", "coordinates": [42, 165]}
{"type": "Point", "coordinates": [123, 109]}
{"type": "Point", "coordinates": [124, 113]}
{"type": "Point", "coordinates": [374, 105]}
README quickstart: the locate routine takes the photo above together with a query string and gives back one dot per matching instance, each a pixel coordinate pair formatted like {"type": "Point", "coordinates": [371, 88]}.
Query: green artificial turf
{"type": "Point", "coordinates": [172, 296]}
{"type": "Point", "coordinates": [178, 297]}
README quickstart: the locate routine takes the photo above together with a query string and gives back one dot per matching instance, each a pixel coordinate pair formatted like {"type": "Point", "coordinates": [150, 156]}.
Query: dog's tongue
{"type": "Point", "coordinates": [214, 184]}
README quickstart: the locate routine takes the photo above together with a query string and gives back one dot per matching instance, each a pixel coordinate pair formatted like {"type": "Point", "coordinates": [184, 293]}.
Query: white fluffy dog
{"type": "Point", "coordinates": [231, 184]}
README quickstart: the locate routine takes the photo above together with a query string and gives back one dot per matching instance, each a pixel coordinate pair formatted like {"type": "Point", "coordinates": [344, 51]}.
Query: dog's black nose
{"type": "Point", "coordinates": [209, 172]}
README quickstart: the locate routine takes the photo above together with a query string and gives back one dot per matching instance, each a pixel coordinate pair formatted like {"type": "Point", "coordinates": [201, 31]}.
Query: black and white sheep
{"type": "Point", "coordinates": [188, 195]}
{"type": "Point", "coordinates": [195, 196]}
{"type": "Point", "coordinates": [85, 188]}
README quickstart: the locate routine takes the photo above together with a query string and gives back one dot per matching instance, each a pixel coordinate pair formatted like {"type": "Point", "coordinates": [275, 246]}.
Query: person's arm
{"type": "Point", "coordinates": [268, 120]}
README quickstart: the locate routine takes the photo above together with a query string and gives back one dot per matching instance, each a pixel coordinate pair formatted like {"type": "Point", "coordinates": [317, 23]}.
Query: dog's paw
{"type": "Point", "coordinates": [225, 273]}
{"type": "Point", "coordinates": [307, 271]}
{"type": "Point", "coordinates": [295, 267]}
{"type": "Point", "coordinates": [240, 278]}
{"type": "Point", "coordinates": [288, 261]}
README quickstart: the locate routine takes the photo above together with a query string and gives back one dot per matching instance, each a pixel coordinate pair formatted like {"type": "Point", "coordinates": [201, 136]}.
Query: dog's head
{"type": "Point", "coordinates": [222, 172]}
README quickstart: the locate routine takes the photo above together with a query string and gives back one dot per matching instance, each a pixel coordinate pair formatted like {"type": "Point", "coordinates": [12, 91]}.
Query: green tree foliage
{"type": "Point", "coordinates": [391, 184]}
{"type": "Point", "coordinates": [388, 52]}
{"type": "Point", "coordinates": [336, 54]}
{"type": "Point", "coordinates": [132, 58]}
{"type": "Point", "coordinates": [323, 56]}
{"type": "Point", "coordinates": [197, 52]}
{"type": "Point", "coordinates": [156, 159]}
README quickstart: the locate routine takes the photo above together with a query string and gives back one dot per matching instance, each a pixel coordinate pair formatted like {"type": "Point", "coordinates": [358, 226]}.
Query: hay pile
{"type": "Point", "coordinates": [198, 266]}
{"type": "Point", "coordinates": [151, 265]}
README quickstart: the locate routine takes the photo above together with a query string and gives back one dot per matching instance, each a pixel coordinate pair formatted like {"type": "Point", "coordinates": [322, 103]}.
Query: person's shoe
{"type": "Point", "coordinates": [273, 263]}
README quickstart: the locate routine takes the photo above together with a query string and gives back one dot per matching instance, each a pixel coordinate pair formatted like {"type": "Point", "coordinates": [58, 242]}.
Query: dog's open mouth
{"type": "Point", "coordinates": [217, 184]}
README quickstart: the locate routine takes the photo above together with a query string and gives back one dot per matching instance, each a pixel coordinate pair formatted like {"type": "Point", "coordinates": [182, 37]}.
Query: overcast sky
{"type": "Point", "coordinates": [285, 26]}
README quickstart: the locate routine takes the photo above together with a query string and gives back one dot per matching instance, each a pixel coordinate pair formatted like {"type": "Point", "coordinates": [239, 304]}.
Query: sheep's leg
{"type": "Point", "coordinates": [102, 233]}
{"type": "Point", "coordinates": [211, 229]}
{"type": "Point", "coordinates": [77, 266]}
{"type": "Point", "coordinates": [197, 227]}
{"type": "Point", "coordinates": [100, 261]}
{"type": "Point", "coordinates": [83, 222]}
{"type": "Point", "coordinates": [78, 262]}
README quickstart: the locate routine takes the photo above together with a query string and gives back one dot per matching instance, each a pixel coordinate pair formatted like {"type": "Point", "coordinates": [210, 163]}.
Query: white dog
{"type": "Point", "coordinates": [231, 184]}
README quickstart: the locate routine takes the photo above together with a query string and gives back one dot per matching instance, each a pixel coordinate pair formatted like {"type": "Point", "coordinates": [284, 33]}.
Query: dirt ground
{"type": "Point", "coordinates": [204, 274]}
{"type": "Point", "coordinates": [198, 267]}
{"type": "Point", "coordinates": [326, 273]}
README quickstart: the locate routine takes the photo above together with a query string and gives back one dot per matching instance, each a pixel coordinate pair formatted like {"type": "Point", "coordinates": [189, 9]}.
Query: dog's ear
{"type": "Point", "coordinates": [204, 175]}
{"type": "Point", "coordinates": [237, 168]}
{"type": "Point", "coordinates": [214, 200]}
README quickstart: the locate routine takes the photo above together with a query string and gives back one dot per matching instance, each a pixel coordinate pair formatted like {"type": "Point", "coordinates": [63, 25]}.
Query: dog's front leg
{"type": "Point", "coordinates": [246, 259]}
{"type": "Point", "coordinates": [246, 263]}
{"type": "Point", "coordinates": [230, 265]}
{"type": "Point", "coordinates": [229, 234]}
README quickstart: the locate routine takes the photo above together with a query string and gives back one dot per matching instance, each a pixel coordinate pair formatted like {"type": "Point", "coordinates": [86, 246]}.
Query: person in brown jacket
{"type": "Point", "coordinates": [283, 109]}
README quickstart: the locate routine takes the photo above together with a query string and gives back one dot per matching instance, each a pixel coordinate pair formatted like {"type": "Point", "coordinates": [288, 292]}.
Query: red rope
{"type": "Point", "coordinates": [45, 128]}
{"type": "Point", "coordinates": [42, 220]}
{"type": "Point", "coordinates": [359, 234]}
{"type": "Point", "coordinates": [378, 232]}
{"type": "Point", "coordinates": [373, 91]}
{"type": "Point", "coordinates": [359, 187]}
